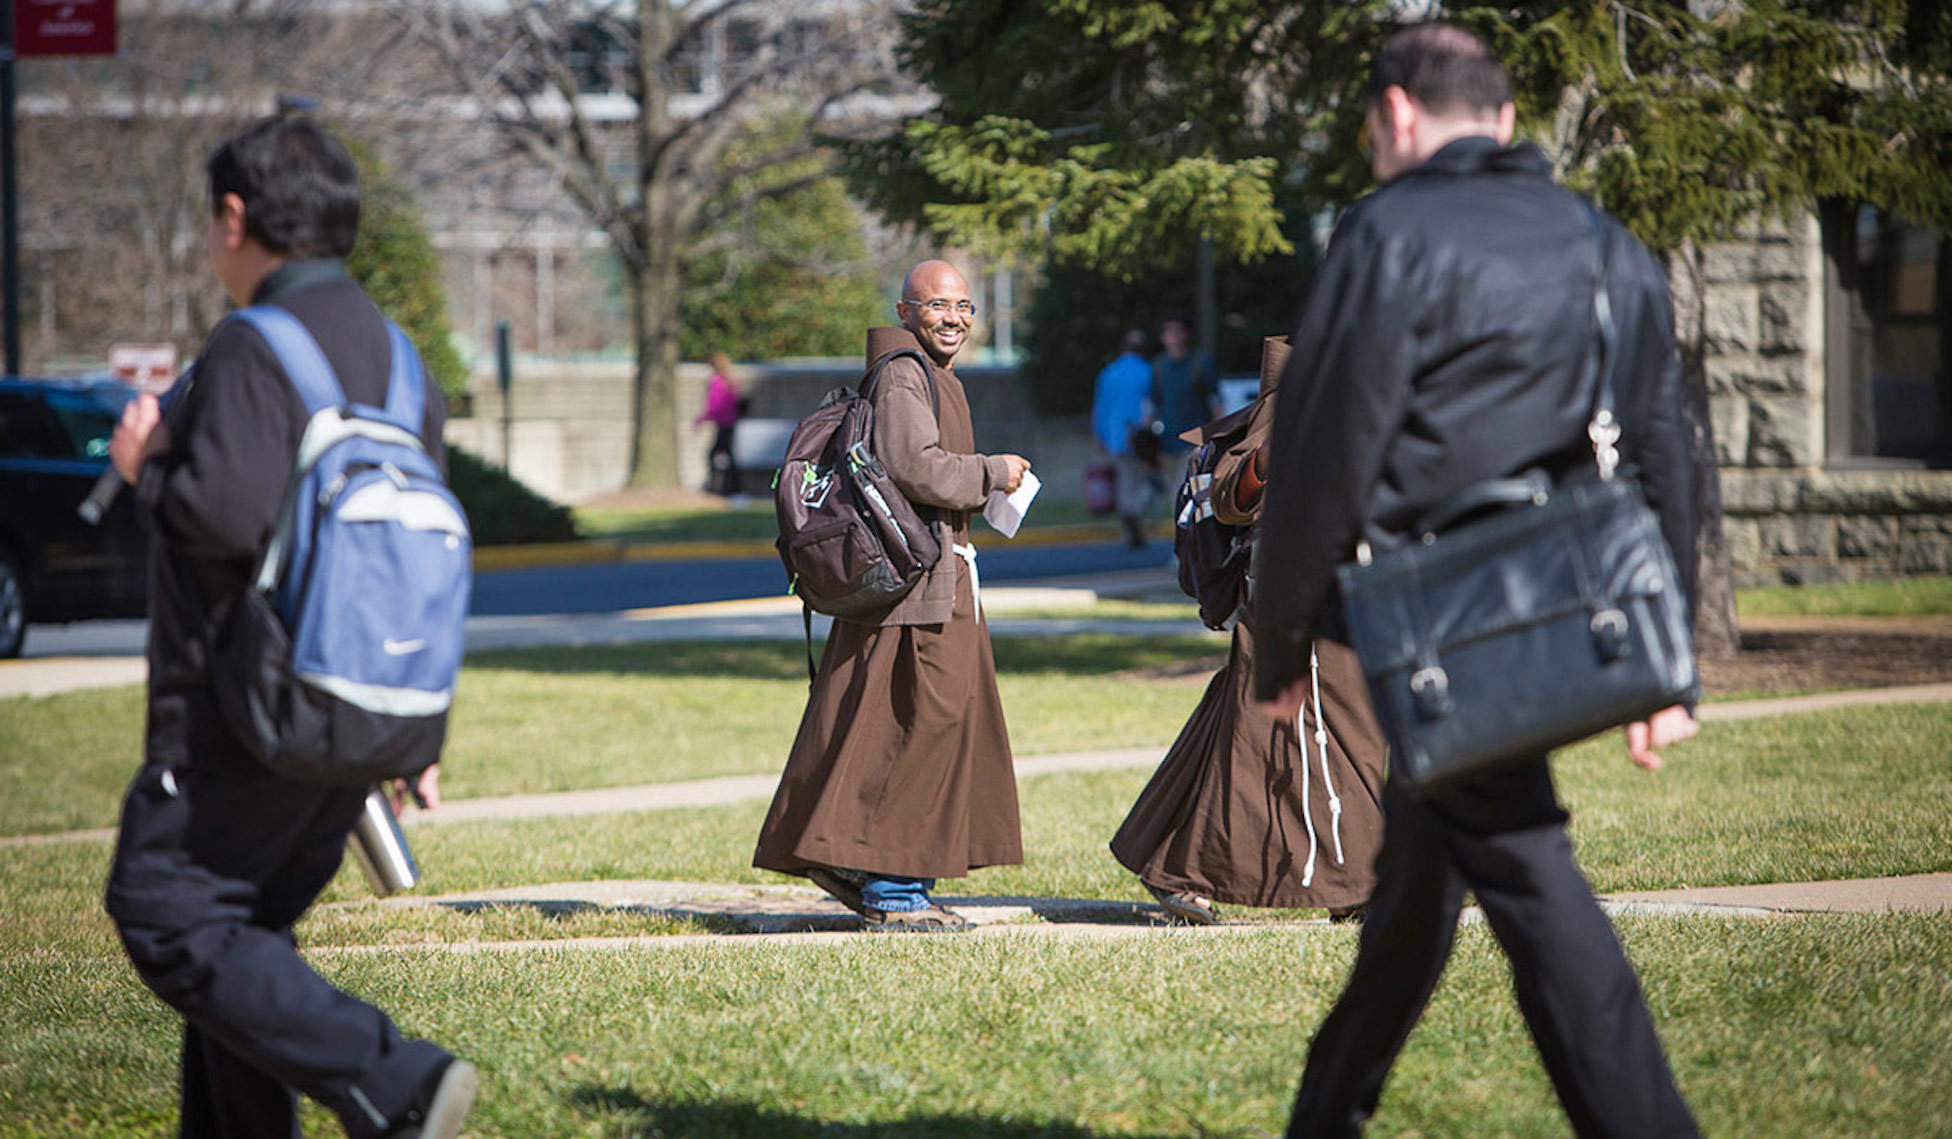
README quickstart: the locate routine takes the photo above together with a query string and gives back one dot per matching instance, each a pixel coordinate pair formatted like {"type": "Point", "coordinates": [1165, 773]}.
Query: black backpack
{"type": "Point", "coordinates": [851, 542]}
{"type": "Point", "coordinates": [1214, 557]}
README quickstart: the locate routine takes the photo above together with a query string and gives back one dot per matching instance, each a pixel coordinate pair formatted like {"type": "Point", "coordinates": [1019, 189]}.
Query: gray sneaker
{"type": "Point", "coordinates": [447, 1106]}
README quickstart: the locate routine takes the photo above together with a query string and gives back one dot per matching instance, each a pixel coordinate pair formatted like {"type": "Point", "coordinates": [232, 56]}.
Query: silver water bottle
{"type": "Point", "coordinates": [381, 847]}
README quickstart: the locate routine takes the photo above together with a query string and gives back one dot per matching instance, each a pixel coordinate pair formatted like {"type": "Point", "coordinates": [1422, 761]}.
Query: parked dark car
{"type": "Point", "coordinates": [53, 566]}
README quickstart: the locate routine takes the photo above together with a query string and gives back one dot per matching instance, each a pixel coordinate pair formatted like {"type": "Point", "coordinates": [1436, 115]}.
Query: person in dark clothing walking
{"type": "Point", "coordinates": [218, 857]}
{"type": "Point", "coordinates": [1185, 385]}
{"type": "Point", "coordinates": [1445, 342]}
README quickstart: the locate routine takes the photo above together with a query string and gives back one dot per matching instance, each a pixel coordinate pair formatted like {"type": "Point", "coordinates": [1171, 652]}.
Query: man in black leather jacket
{"type": "Point", "coordinates": [1445, 342]}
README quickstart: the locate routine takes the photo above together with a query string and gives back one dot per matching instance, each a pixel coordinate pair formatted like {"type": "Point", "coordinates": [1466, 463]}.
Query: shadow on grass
{"type": "Point", "coordinates": [1076, 654]}
{"type": "Point", "coordinates": [777, 912]}
{"type": "Point", "coordinates": [692, 1119]}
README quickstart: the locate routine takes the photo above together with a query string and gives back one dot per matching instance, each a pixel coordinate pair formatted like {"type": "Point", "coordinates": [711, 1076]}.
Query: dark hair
{"type": "Point", "coordinates": [299, 186]}
{"type": "Point", "coordinates": [1178, 318]}
{"type": "Point", "coordinates": [1442, 66]}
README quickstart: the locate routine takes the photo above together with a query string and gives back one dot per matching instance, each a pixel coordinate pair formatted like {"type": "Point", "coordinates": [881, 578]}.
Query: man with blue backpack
{"type": "Point", "coordinates": [308, 580]}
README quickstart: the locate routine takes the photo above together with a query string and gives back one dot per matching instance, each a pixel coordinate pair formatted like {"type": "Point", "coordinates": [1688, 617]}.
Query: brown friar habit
{"type": "Point", "coordinates": [902, 765]}
{"type": "Point", "coordinates": [1228, 812]}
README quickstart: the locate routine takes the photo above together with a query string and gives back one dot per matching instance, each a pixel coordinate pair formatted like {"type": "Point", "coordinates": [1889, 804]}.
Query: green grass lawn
{"type": "Point", "coordinates": [1906, 597]}
{"type": "Point", "coordinates": [1810, 1027]}
{"type": "Point", "coordinates": [755, 520]}
{"type": "Point", "coordinates": [1777, 1027]}
{"type": "Point", "coordinates": [611, 716]}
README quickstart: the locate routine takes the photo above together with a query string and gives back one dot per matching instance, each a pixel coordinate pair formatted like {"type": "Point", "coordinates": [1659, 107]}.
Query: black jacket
{"type": "Point", "coordinates": [1447, 339]}
{"type": "Point", "coordinates": [214, 497]}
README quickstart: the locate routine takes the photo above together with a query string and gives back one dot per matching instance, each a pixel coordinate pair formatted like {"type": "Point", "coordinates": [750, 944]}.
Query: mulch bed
{"type": "Point", "coordinates": [1786, 661]}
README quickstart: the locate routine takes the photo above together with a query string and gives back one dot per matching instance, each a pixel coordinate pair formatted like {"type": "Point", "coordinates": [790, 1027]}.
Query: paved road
{"type": "Point", "coordinates": [615, 587]}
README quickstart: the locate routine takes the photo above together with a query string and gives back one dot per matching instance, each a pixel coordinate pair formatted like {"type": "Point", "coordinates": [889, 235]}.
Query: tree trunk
{"type": "Point", "coordinates": [654, 277]}
{"type": "Point", "coordinates": [1715, 631]}
{"type": "Point", "coordinates": [654, 461]}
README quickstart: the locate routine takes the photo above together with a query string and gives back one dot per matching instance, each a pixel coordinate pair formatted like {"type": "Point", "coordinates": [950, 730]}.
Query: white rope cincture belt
{"type": "Point", "coordinates": [1321, 746]}
{"type": "Point", "coordinates": [968, 554]}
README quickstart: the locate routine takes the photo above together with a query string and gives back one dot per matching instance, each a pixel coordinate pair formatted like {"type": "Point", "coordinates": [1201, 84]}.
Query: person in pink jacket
{"type": "Point", "coordinates": [723, 406]}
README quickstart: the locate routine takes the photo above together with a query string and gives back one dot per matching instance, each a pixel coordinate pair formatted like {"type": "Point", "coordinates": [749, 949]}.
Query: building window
{"type": "Point", "coordinates": [1888, 339]}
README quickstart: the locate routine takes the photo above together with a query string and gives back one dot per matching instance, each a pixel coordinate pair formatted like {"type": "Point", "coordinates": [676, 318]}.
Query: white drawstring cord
{"type": "Point", "coordinates": [1301, 737]}
{"type": "Point", "coordinates": [1321, 746]}
{"type": "Point", "coordinates": [968, 554]}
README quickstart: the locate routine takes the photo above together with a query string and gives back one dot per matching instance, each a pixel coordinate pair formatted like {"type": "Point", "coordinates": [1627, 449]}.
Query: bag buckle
{"type": "Point", "coordinates": [1609, 627]}
{"type": "Point", "coordinates": [1430, 688]}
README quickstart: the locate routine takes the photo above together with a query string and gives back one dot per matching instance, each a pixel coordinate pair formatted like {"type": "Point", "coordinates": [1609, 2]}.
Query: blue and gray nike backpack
{"type": "Point", "coordinates": [339, 664]}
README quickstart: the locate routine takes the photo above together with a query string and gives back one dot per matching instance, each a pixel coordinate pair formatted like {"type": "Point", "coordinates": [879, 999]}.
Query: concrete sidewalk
{"type": "Point", "coordinates": [799, 914]}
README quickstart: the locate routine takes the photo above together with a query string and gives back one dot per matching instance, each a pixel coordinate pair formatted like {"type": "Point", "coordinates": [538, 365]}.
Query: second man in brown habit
{"type": "Point", "coordinates": [1246, 808]}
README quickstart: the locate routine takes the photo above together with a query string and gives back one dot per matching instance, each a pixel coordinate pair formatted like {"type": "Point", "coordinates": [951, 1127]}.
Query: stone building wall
{"type": "Point", "coordinates": [1792, 516]}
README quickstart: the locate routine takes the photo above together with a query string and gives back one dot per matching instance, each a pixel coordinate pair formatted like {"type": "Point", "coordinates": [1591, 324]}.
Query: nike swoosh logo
{"type": "Point", "coordinates": [402, 648]}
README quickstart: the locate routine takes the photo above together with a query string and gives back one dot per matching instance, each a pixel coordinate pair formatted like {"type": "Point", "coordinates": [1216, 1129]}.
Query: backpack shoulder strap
{"type": "Point", "coordinates": [928, 370]}
{"type": "Point", "coordinates": [299, 354]}
{"type": "Point", "coordinates": [406, 385]}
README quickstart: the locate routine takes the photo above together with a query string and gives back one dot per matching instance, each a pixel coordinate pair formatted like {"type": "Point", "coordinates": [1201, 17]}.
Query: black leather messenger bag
{"type": "Point", "coordinates": [1525, 616]}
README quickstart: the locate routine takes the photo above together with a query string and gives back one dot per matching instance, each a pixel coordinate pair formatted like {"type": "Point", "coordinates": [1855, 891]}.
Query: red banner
{"type": "Point", "coordinates": [64, 27]}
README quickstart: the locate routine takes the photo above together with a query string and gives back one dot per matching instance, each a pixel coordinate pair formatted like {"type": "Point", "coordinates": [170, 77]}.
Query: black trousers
{"type": "Point", "coordinates": [215, 862]}
{"type": "Point", "coordinates": [1503, 837]}
{"type": "Point", "coordinates": [724, 478]}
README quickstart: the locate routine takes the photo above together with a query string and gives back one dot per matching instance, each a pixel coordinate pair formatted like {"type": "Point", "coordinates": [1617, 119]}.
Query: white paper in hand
{"type": "Point", "coordinates": [1006, 511]}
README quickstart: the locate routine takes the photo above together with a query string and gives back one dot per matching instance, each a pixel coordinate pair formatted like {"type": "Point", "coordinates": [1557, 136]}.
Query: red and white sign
{"type": "Point", "coordinates": [145, 367]}
{"type": "Point", "coordinates": [64, 27]}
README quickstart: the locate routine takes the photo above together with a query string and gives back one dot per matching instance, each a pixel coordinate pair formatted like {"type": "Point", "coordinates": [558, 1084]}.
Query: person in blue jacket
{"type": "Point", "coordinates": [1121, 407]}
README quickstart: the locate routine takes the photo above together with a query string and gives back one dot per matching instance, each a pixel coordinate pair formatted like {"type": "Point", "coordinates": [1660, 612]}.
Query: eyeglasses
{"type": "Point", "coordinates": [941, 306]}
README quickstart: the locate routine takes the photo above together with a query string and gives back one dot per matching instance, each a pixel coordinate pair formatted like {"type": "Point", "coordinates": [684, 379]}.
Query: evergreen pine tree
{"type": "Point", "coordinates": [394, 259]}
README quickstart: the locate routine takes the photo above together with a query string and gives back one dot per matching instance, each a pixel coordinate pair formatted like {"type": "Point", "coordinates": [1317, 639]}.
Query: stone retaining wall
{"type": "Point", "coordinates": [1829, 526]}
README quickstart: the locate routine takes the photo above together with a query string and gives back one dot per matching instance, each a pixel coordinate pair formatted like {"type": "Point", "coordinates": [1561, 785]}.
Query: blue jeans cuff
{"type": "Point", "coordinates": [895, 895]}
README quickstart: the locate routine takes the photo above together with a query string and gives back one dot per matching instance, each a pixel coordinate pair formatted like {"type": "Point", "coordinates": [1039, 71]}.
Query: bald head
{"type": "Point", "coordinates": [935, 306]}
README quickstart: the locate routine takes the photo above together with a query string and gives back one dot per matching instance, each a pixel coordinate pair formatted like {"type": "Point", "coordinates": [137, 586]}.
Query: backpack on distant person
{"type": "Point", "coordinates": [851, 542]}
{"type": "Point", "coordinates": [1214, 557]}
{"type": "Point", "coordinates": [338, 665]}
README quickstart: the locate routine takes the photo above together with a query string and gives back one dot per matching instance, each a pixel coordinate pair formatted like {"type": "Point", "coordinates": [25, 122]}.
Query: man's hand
{"type": "Point", "coordinates": [1286, 704]}
{"type": "Point", "coordinates": [139, 437]}
{"type": "Point", "coordinates": [1016, 465]}
{"type": "Point", "coordinates": [1667, 726]}
{"type": "Point", "coordinates": [427, 784]}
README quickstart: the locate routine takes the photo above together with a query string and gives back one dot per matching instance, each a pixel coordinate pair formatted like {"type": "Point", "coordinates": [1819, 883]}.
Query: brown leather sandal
{"type": "Point", "coordinates": [846, 892]}
{"type": "Point", "coordinates": [1185, 905]}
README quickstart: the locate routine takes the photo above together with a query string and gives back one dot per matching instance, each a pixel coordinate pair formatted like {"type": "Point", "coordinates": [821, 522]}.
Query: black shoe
{"type": "Point", "coordinates": [443, 1104]}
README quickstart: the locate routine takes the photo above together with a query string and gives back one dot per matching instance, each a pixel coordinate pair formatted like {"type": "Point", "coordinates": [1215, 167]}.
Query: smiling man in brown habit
{"type": "Point", "coordinates": [901, 773]}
